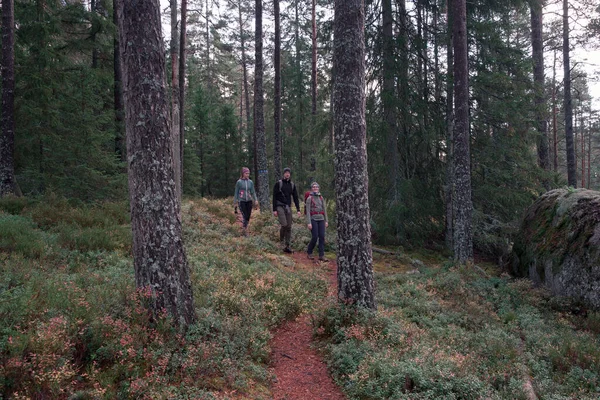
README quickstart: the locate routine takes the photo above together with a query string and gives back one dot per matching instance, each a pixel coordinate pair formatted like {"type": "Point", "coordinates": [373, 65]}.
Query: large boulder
{"type": "Point", "coordinates": [558, 244]}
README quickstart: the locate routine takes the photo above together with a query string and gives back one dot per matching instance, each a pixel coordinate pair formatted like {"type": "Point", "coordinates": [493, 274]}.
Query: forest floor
{"type": "Point", "coordinates": [298, 368]}
{"type": "Point", "coordinates": [73, 324]}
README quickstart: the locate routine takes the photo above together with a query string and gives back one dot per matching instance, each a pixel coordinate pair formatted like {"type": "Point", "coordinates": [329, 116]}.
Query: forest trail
{"type": "Point", "coordinates": [299, 370]}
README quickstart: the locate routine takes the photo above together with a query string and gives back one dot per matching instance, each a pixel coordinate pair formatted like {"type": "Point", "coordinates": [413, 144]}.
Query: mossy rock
{"type": "Point", "coordinates": [558, 244]}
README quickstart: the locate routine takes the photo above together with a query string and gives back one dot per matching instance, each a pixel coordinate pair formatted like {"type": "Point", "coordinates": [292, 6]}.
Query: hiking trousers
{"type": "Point", "coordinates": [284, 215]}
{"type": "Point", "coordinates": [318, 233]}
{"type": "Point", "coordinates": [246, 210]}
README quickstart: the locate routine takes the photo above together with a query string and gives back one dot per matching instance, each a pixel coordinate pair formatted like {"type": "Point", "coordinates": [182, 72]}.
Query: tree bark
{"type": "Point", "coordinates": [537, 45]}
{"type": "Point", "coordinates": [7, 140]}
{"type": "Point", "coordinates": [313, 82]}
{"type": "Point", "coordinates": [568, 105]}
{"type": "Point", "coordinates": [160, 261]}
{"type": "Point", "coordinates": [277, 94]}
{"type": "Point", "coordinates": [175, 109]}
{"type": "Point", "coordinates": [182, 61]}
{"type": "Point", "coordinates": [355, 257]}
{"type": "Point", "coordinates": [554, 113]}
{"type": "Point", "coordinates": [388, 99]}
{"type": "Point", "coordinates": [118, 93]}
{"type": "Point", "coordinates": [463, 206]}
{"type": "Point", "coordinates": [259, 117]}
{"type": "Point", "coordinates": [449, 189]}
{"type": "Point", "coordinates": [250, 139]}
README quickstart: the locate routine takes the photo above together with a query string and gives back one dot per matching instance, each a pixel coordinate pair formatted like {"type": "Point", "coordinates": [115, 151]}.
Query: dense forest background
{"type": "Point", "coordinates": [69, 134]}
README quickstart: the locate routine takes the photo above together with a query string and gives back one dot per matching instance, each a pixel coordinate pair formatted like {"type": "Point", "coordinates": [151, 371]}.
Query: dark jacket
{"type": "Point", "coordinates": [283, 196]}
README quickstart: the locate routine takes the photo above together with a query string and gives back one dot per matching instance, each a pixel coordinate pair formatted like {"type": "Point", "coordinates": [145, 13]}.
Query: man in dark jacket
{"type": "Point", "coordinates": [283, 192]}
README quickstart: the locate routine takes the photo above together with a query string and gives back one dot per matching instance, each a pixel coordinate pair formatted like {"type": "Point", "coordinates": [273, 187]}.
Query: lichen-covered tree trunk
{"type": "Point", "coordinates": [259, 116]}
{"type": "Point", "coordinates": [159, 257]}
{"type": "Point", "coordinates": [388, 99]}
{"type": "Point", "coordinates": [277, 93]}
{"type": "Point", "coordinates": [355, 258]}
{"type": "Point", "coordinates": [568, 105]}
{"type": "Point", "coordinates": [463, 205]}
{"type": "Point", "coordinates": [7, 139]}
{"type": "Point", "coordinates": [537, 45]}
{"type": "Point", "coordinates": [313, 80]}
{"type": "Point", "coordinates": [250, 138]}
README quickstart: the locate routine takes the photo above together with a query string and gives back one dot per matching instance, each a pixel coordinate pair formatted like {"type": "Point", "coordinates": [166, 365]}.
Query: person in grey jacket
{"type": "Point", "coordinates": [244, 197]}
{"type": "Point", "coordinates": [316, 219]}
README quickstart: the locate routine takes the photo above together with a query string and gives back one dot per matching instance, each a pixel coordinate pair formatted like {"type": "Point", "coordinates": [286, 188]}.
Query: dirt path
{"type": "Point", "coordinates": [300, 372]}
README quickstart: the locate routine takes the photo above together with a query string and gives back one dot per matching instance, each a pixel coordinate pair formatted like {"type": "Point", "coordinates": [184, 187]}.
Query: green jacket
{"type": "Point", "coordinates": [316, 208]}
{"type": "Point", "coordinates": [244, 191]}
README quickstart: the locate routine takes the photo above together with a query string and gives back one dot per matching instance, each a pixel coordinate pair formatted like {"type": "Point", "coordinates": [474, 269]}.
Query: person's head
{"type": "Point", "coordinates": [245, 174]}
{"type": "Point", "coordinates": [314, 187]}
{"type": "Point", "coordinates": [287, 173]}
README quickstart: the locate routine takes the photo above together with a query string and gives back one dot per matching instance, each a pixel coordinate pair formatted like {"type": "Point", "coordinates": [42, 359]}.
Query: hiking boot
{"type": "Point", "coordinates": [323, 259]}
{"type": "Point", "coordinates": [288, 250]}
{"type": "Point", "coordinates": [310, 256]}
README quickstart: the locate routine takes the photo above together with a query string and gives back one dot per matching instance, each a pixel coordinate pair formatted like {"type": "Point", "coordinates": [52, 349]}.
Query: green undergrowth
{"type": "Point", "coordinates": [446, 332]}
{"type": "Point", "coordinates": [73, 326]}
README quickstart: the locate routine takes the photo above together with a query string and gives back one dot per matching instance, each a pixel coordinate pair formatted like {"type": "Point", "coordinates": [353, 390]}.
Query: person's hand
{"type": "Point", "coordinates": [326, 224]}
{"type": "Point", "coordinates": [299, 214]}
{"type": "Point", "coordinates": [309, 226]}
{"type": "Point", "coordinates": [275, 213]}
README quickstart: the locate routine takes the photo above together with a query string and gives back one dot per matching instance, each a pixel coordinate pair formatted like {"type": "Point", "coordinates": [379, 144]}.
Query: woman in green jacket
{"type": "Point", "coordinates": [316, 220]}
{"type": "Point", "coordinates": [244, 196]}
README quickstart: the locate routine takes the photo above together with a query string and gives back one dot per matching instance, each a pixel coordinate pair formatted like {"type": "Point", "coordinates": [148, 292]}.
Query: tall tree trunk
{"type": "Point", "coordinates": [537, 45]}
{"type": "Point", "coordinates": [159, 257]}
{"type": "Point", "coordinates": [388, 98]}
{"type": "Point", "coordinates": [118, 93]}
{"type": "Point", "coordinates": [175, 109]}
{"type": "Point", "coordinates": [313, 82]}
{"type": "Point", "coordinates": [582, 128]}
{"type": "Point", "coordinates": [589, 155]}
{"type": "Point", "coordinates": [182, 61]}
{"type": "Point", "coordinates": [250, 139]}
{"type": "Point", "coordinates": [568, 107]}
{"type": "Point", "coordinates": [463, 206]}
{"type": "Point", "coordinates": [277, 94]}
{"type": "Point", "coordinates": [259, 118]}
{"type": "Point", "coordinates": [449, 189]}
{"type": "Point", "coordinates": [355, 258]}
{"type": "Point", "coordinates": [554, 113]}
{"type": "Point", "coordinates": [94, 31]}
{"type": "Point", "coordinates": [7, 140]}
{"type": "Point", "coordinates": [404, 86]}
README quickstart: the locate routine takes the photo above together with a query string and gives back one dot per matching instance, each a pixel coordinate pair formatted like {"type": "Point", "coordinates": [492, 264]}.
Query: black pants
{"type": "Point", "coordinates": [317, 232]}
{"type": "Point", "coordinates": [246, 210]}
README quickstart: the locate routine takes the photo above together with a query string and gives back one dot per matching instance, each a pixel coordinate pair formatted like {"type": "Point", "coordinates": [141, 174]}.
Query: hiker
{"type": "Point", "coordinates": [244, 196]}
{"type": "Point", "coordinates": [283, 191]}
{"type": "Point", "coordinates": [316, 218]}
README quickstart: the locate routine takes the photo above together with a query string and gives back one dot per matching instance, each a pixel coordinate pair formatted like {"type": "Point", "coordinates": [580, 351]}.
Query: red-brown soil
{"type": "Point", "coordinates": [300, 371]}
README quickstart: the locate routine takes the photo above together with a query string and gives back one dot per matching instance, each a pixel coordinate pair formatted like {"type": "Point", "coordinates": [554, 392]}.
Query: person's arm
{"type": "Point", "coordinates": [307, 208]}
{"type": "Point", "coordinates": [253, 191]}
{"type": "Point", "coordinates": [295, 194]}
{"type": "Point", "coordinates": [236, 194]}
{"type": "Point", "coordinates": [274, 194]}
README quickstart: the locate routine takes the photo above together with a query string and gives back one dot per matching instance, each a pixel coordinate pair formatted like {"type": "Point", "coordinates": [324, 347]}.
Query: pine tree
{"type": "Point", "coordinates": [355, 259]}
{"type": "Point", "coordinates": [568, 105]}
{"type": "Point", "coordinates": [463, 206]}
{"type": "Point", "coordinates": [537, 45]}
{"type": "Point", "coordinates": [259, 118]}
{"type": "Point", "coordinates": [7, 137]}
{"type": "Point", "coordinates": [159, 257]}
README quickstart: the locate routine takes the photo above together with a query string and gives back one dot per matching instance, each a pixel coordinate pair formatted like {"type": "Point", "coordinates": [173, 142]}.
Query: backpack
{"type": "Point", "coordinates": [306, 195]}
{"type": "Point", "coordinates": [280, 182]}
{"type": "Point", "coordinates": [312, 202]}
